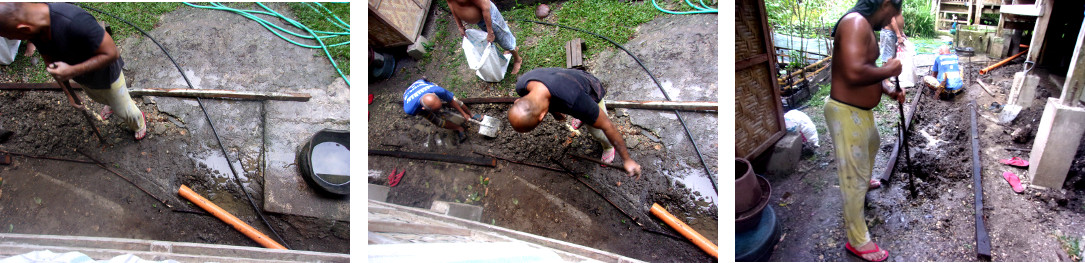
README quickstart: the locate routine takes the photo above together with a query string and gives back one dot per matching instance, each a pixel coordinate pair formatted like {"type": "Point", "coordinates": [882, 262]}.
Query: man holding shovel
{"type": "Point", "coordinates": [425, 98]}
{"type": "Point", "coordinates": [76, 48]}
{"type": "Point", "coordinates": [573, 92]}
{"type": "Point", "coordinates": [857, 86]}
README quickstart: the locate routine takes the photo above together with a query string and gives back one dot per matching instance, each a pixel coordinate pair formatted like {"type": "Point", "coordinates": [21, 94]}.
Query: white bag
{"type": "Point", "coordinates": [797, 120]}
{"type": "Point", "coordinates": [482, 56]}
{"type": "Point", "coordinates": [8, 48]}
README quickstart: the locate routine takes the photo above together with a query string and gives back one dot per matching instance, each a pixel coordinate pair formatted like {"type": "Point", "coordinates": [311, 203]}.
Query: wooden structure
{"type": "Point", "coordinates": [396, 22]}
{"type": "Point", "coordinates": [759, 117]}
{"type": "Point", "coordinates": [968, 12]}
{"type": "Point", "coordinates": [574, 53]}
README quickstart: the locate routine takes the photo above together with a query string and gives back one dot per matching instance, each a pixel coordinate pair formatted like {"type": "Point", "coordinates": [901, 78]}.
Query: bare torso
{"type": "Point", "coordinates": [863, 96]}
{"type": "Point", "coordinates": [466, 10]}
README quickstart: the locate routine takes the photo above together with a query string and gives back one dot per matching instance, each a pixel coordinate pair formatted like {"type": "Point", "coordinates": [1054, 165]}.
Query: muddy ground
{"type": "Point", "coordinates": [66, 198]}
{"type": "Point", "coordinates": [939, 224]}
{"type": "Point", "coordinates": [533, 200]}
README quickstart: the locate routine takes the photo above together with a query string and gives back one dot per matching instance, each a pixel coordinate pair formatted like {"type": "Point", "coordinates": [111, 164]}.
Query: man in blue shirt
{"type": "Point", "coordinates": [425, 98]}
{"type": "Point", "coordinates": [948, 73]}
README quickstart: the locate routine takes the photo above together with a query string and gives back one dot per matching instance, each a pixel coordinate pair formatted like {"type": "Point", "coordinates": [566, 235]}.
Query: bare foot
{"type": "Point", "coordinates": [516, 64]}
{"type": "Point", "coordinates": [875, 184]}
{"type": "Point", "coordinates": [142, 132]}
{"type": "Point", "coordinates": [106, 112]}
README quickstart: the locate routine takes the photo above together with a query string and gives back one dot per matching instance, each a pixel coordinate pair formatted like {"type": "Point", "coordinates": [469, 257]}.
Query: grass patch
{"type": "Point", "coordinates": [145, 15]}
{"type": "Point", "coordinates": [1072, 246]}
{"type": "Point", "coordinates": [308, 15]}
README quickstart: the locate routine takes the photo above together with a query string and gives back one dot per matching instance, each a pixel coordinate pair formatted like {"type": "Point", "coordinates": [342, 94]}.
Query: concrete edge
{"type": "Point", "coordinates": [105, 248]}
{"type": "Point", "coordinates": [569, 249]}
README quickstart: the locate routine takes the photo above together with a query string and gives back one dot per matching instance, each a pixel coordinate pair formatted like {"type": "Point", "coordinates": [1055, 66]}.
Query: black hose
{"type": "Point", "coordinates": [680, 120]}
{"type": "Point", "coordinates": [209, 122]}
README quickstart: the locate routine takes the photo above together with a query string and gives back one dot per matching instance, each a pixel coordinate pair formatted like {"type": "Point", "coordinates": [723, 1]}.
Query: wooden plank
{"type": "Point", "coordinates": [574, 54]}
{"type": "Point", "coordinates": [408, 228]}
{"type": "Point", "coordinates": [983, 241]}
{"type": "Point", "coordinates": [755, 60]}
{"type": "Point", "coordinates": [628, 104]}
{"type": "Point", "coordinates": [488, 162]}
{"type": "Point", "coordinates": [191, 93]}
{"type": "Point", "coordinates": [1039, 31]}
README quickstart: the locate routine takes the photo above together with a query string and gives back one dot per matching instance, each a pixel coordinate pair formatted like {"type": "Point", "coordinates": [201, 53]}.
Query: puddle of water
{"type": "Point", "coordinates": [698, 183]}
{"type": "Point", "coordinates": [220, 169]}
{"type": "Point", "coordinates": [331, 161]}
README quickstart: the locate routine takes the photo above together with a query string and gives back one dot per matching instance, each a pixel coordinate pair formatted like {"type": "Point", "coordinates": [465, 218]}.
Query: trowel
{"type": "Point", "coordinates": [488, 127]}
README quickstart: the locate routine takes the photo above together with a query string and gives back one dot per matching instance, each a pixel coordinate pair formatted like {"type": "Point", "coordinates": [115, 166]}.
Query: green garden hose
{"type": "Point", "coordinates": [701, 9]}
{"type": "Point", "coordinates": [313, 34]}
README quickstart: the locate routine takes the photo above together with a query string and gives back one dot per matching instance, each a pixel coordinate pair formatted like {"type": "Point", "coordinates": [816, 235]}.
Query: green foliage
{"type": "Point", "coordinates": [793, 17]}
{"type": "Point", "coordinates": [305, 14]}
{"type": "Point", "coordinates": [918, 20]}
{"type": "Point", "coordinates": [145, 15]}
{"type": "Point", "coordinates": [1072, 246]}
{"type": "Point", "coordinates": [615, 19]}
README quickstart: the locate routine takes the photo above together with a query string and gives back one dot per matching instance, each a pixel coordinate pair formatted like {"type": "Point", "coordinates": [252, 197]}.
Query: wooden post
{"type": "Point", "coordinates": [1039, 31]}
{"type": "Point", "coordinates": [1076, 74]}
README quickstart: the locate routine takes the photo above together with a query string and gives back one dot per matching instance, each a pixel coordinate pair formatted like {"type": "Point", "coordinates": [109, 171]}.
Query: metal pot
{"type": "Point", "coordinates": [747, 190]}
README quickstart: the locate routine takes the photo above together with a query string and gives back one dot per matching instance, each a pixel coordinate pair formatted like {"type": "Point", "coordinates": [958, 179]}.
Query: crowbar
{"type": "Point", "coordinates": [904, 135]}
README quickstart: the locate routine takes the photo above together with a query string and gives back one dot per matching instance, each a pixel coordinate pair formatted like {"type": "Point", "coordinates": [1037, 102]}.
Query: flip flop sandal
{"type": "Point", "coordinates": [861, 253]}
{"type": "Point", "coordinates": [1015, 182]}
{"type": "Point", "coordinates": [143, 118]}
{"type": "Point", "coordinates": [1015, 161]}
{"type": "Point", "coordinates": [874, 184]}
{"type": "Point", "coordinates": [106, 112]}
{"type": "Point", "coordinates": [393, 178]}
{"type": "Point", "coordinates": [575, 123]}
{"type": "Point", "coordinates": [608, 155]}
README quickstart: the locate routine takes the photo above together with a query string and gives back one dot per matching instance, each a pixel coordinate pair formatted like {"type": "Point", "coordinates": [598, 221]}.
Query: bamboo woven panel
{"type": "Point", "coordinates": [749, 37]}
{"type": "Point", "coordinates": [403, 14]}
{"type": "Point", "coordinates": [755, 109]}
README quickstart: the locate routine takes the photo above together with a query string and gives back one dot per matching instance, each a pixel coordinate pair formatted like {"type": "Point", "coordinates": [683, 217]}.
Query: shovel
{"type": "Point", "coordinates": [74, 100]}
{"type": "Point", "coordinates": [488, 127]}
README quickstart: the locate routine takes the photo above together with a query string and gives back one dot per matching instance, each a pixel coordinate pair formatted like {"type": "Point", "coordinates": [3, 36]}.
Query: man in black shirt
{"type": "Point", "coordinates": [573, 92]}
{"type": "Point", "coordinates": [76, 48]}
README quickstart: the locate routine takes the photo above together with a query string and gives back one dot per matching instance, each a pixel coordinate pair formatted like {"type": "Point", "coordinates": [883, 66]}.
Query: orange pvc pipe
{"type": "Point", "coordinates": [686, 231]}
{"type": "Point", "coordinates": [230, 219]}
{"type": "Point", "coordinates": [1000, 63]}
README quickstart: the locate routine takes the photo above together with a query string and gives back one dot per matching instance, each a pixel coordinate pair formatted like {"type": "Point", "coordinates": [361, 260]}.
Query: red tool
{"type": "Point", "coordinates": [393, 178]}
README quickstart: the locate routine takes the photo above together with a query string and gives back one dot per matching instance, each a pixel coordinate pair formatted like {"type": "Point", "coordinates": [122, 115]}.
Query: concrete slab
{"type": "Point", "coordinates": [684, 60]}
{"type": "Point", "coordinates": [1057, 139]}
{"type": "Point", "coordinates": [465, 211]}
{"type": "Point", "coordinates": [786, 154]}
{"type": "Point", "coordinates": [214, 57]}
{"type": "Point", "coordinates": [378, 192]}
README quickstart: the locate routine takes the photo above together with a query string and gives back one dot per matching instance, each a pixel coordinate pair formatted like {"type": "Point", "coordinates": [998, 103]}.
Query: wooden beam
{"type": "Point", "coordinates": [190, 93]}
{"type": "Point", "coordinates": [488, 162]}
{"type": "Point", "coordinates": [1038, 32]}
{"type": "Point", "coordinates": [628, 104]}
{"type": "Point", "coordinates": [409, 228]}
{"type": "Point", "coordinates": [1076, 73]}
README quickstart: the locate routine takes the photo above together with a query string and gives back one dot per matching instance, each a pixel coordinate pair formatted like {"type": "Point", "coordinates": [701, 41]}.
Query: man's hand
{"type": "Point", "coordinates": [463, 31]}
{"type": "Point", "coordinates": [632, 168]}
{"type": "Point", "coordinates": [894, 66]}
{"type": "Point", "coordinates": [897, 94]}
{"type": "Point", "coordinates": [490, 36]}
{"type": "Point", "coordinates": [61, 71]}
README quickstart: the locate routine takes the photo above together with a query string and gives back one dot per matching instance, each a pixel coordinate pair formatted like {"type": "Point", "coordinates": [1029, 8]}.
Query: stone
{"type": "Point", "coordinates": [785, 154]}
{"type": "Point", "coordinates": [1023, 134]}
{"type": "Point", "coordinates": [1057, 138]}
{"type": "Point", "coordinates": [418, 49]}
{"type": "Point", "coordinates": [997, 48]}
{"type": "Point", "coordinates": [465, 211]}
{"type": "Point", "coordinates": [378, 192]}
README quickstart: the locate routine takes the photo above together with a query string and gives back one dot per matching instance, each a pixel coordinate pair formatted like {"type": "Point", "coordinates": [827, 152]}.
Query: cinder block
{"type": "Point", "coordinates": [786, 154]}
{"type": "Point", "coordinates": [465, 211]}
{"type": "Point", "coordinates": [1057, 139]}
{"type": "Point", "coordinates": [1023, 91]}
{"type": "Point", "coordinates": [378, 192]}
{"type": "Point", "coordinates": [997, 48]}
{"type": "Point", "coordinates": [418, 49]}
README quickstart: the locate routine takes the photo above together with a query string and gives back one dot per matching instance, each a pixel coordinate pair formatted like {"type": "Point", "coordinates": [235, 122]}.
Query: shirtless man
{"type": "Point", "coordinates": [856, 89]}
{"type": "Point", "coordinates": [484, 13]}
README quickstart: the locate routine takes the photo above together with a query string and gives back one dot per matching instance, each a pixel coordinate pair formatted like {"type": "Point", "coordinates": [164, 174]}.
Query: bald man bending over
{"type": "Point", "coordinates": [425, 98]}
{"type": "Point", "coordinates": [573, 92]}
{"type": "Point", "coordinates": [76, 48]}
